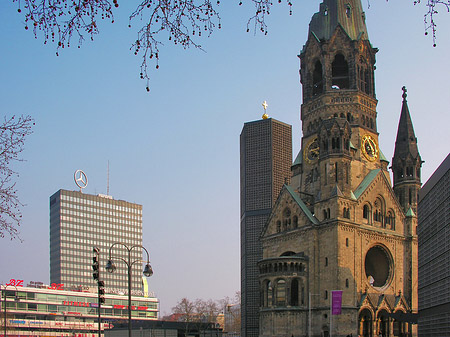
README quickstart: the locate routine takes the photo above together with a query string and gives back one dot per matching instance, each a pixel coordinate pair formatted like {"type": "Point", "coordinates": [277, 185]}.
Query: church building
{"type": "Point", "coordinates": [341, 227]}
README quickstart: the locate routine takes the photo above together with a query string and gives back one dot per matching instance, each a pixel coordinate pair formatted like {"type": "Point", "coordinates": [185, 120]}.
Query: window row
{"type": "Point", "coordinates": [293, 267]}
{"type": "Point", "coordinates": [340, 76]}
{"type": "Point", "coordinates": [282, 293]}
{"type": "Point", "coordinates": [377, 215]}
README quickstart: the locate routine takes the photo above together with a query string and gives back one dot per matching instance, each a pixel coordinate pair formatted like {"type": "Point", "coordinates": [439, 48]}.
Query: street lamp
{"type": "Point", "coordinates": [111, 267]}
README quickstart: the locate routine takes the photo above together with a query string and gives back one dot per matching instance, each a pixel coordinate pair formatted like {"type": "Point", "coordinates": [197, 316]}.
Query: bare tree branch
{"type": "Point", "coordinates": [180, 21]}
{"type": "Point", "coordinates": [429, 17]}
{"type": "Point", "coordinates": [13, 132]}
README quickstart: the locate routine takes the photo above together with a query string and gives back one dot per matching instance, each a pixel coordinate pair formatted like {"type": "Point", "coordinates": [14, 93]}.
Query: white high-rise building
{"type": "Point", "coordinates": [79, 222]}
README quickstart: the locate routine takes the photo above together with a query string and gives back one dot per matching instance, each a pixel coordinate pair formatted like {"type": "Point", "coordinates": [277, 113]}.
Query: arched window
{"type": "Point", "coordinates": [317, 79]}
{"type": "Point", "coordinates": [340, 76]}
{"type": "Point", "coordinates": [295, 221]}
{"type": "Point", "coordinates": [281, 293]}
{"type": "Point", "coordinates": [367, 214]}
{"type": "Point", "coordinates": [346, 213]}
{"type": "Point", "coordinates": [390, 220]}
{"type": "Point", "coordinates": [379, 211]}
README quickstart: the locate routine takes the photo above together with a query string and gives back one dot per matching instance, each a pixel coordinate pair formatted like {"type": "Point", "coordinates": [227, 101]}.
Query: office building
{"type": "Point", "coordinates": [266, 158]}
{"type": "Point", "coordinates": [341, 235]}
{"type": "Point", "coordinates": [79, 222]}
{"type": "Point", "coordinates": [42, 310]}
{"type": "Point", "coordinates": [434, 254]}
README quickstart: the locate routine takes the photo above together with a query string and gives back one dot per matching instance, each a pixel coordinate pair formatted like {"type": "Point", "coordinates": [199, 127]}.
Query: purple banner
{"type": "Point", "coordinates": [336, 302]}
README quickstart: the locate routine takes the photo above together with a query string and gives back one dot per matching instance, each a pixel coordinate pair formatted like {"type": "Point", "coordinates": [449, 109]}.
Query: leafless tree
{"type": "Point", "coordinates": [13, 132]}
{"type": "Point", "coordinates": [185, 312]}
{"type": "Point", "coordinates": [180, 21]}
{"type": "Point", "coordinates": [195, 314]}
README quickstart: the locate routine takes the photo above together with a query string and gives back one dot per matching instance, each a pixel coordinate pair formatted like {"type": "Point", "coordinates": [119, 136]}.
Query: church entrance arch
{"type": "Point", "coordinates": [399, 326]}
{"type": "Point", "coordinates": [365, 323]}
{"type": "Point", "coordinates": [383, 323]}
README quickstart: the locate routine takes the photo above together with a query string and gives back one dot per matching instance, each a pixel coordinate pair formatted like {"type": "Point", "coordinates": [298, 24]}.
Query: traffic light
{"type": "Point", "coordinates": [95, 268]}
{"type": "Point", "coordinates": [101, 291]}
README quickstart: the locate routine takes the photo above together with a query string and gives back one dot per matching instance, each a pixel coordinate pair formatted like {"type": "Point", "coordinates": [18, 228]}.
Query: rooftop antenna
{"type": "Point", "coordinates": [107, 181]}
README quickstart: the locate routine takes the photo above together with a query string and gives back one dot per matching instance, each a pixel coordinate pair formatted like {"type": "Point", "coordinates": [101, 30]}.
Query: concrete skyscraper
{"type": "Point", "coordinates": [266, 159]}
{"type": "Point", "coordinates": [78, 222]}
{"type": "Point", "coordinates": [434, 253]}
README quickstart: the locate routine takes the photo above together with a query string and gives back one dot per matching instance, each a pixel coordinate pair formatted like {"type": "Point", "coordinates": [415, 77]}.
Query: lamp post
{"type": "Point", "coordinates": [111, 267]}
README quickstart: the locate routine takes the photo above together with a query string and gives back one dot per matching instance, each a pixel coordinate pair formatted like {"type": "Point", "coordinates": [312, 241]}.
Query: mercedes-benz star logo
{"type": "Point", "coordinates": [80, 179]}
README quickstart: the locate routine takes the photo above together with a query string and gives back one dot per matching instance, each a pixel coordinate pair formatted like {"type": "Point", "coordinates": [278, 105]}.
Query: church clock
{"type": "Point", "coordinates": [311, 153]}
{"type": "Point", "coordinates": [369, 148]}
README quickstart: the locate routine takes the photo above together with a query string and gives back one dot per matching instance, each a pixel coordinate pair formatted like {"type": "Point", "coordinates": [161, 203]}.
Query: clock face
{"type": "Point", "coordinates": [369, 147]}
{"type": "Point", "coordinates": [311, 153]}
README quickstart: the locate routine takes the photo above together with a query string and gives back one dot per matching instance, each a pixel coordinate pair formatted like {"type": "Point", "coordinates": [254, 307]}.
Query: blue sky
{"type": "Point", "coordinates": [175, 150]}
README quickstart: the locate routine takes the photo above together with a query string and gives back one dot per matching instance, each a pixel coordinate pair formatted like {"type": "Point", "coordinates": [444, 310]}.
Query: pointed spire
{"type": "Point", "coordinates": [346, 13]}
{"type": "Point", "coordinates": [406, 142]}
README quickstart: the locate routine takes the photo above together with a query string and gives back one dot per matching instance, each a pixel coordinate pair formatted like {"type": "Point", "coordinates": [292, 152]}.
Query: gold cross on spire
{"type": "Point", "coordinates": [265, 105]}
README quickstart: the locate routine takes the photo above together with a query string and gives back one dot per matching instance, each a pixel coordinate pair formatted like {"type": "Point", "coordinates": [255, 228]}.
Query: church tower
{"type": "Point", "coordinates": [339, 224]}
{"type": "Point", "coordinates": [406, 163]}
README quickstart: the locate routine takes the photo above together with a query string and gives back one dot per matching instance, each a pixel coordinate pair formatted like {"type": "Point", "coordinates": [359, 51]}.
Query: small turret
{"type": "Point", "coordinates": [406, 163]}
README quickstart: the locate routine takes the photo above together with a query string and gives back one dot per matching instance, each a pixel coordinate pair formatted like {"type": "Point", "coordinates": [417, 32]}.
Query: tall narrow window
{"type": "Point", "coordinates": [366, 212]}
{"type": "Point", "coordinates": [336, 172]}
{"type": "Point", "coordinates": [410, 196]}
{"type": "Point", "coordinates": [317, 79]}
{"type": "Point", "coordinates": [294, 293]}
{"type": "Point", "coordinates": [367, 82]}
{"type": "Point", "coordinates": [340, 75]}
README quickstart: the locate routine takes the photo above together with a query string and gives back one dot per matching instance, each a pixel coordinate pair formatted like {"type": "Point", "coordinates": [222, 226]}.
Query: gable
{"type": "Point", "coordinates": [376, 193]}
{"type": "Point", "coordinates": [289, 213]}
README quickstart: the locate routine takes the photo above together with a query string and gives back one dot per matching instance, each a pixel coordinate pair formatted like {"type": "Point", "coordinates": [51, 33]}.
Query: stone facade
{"type": "Point", "coordinates": [339, 224]}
